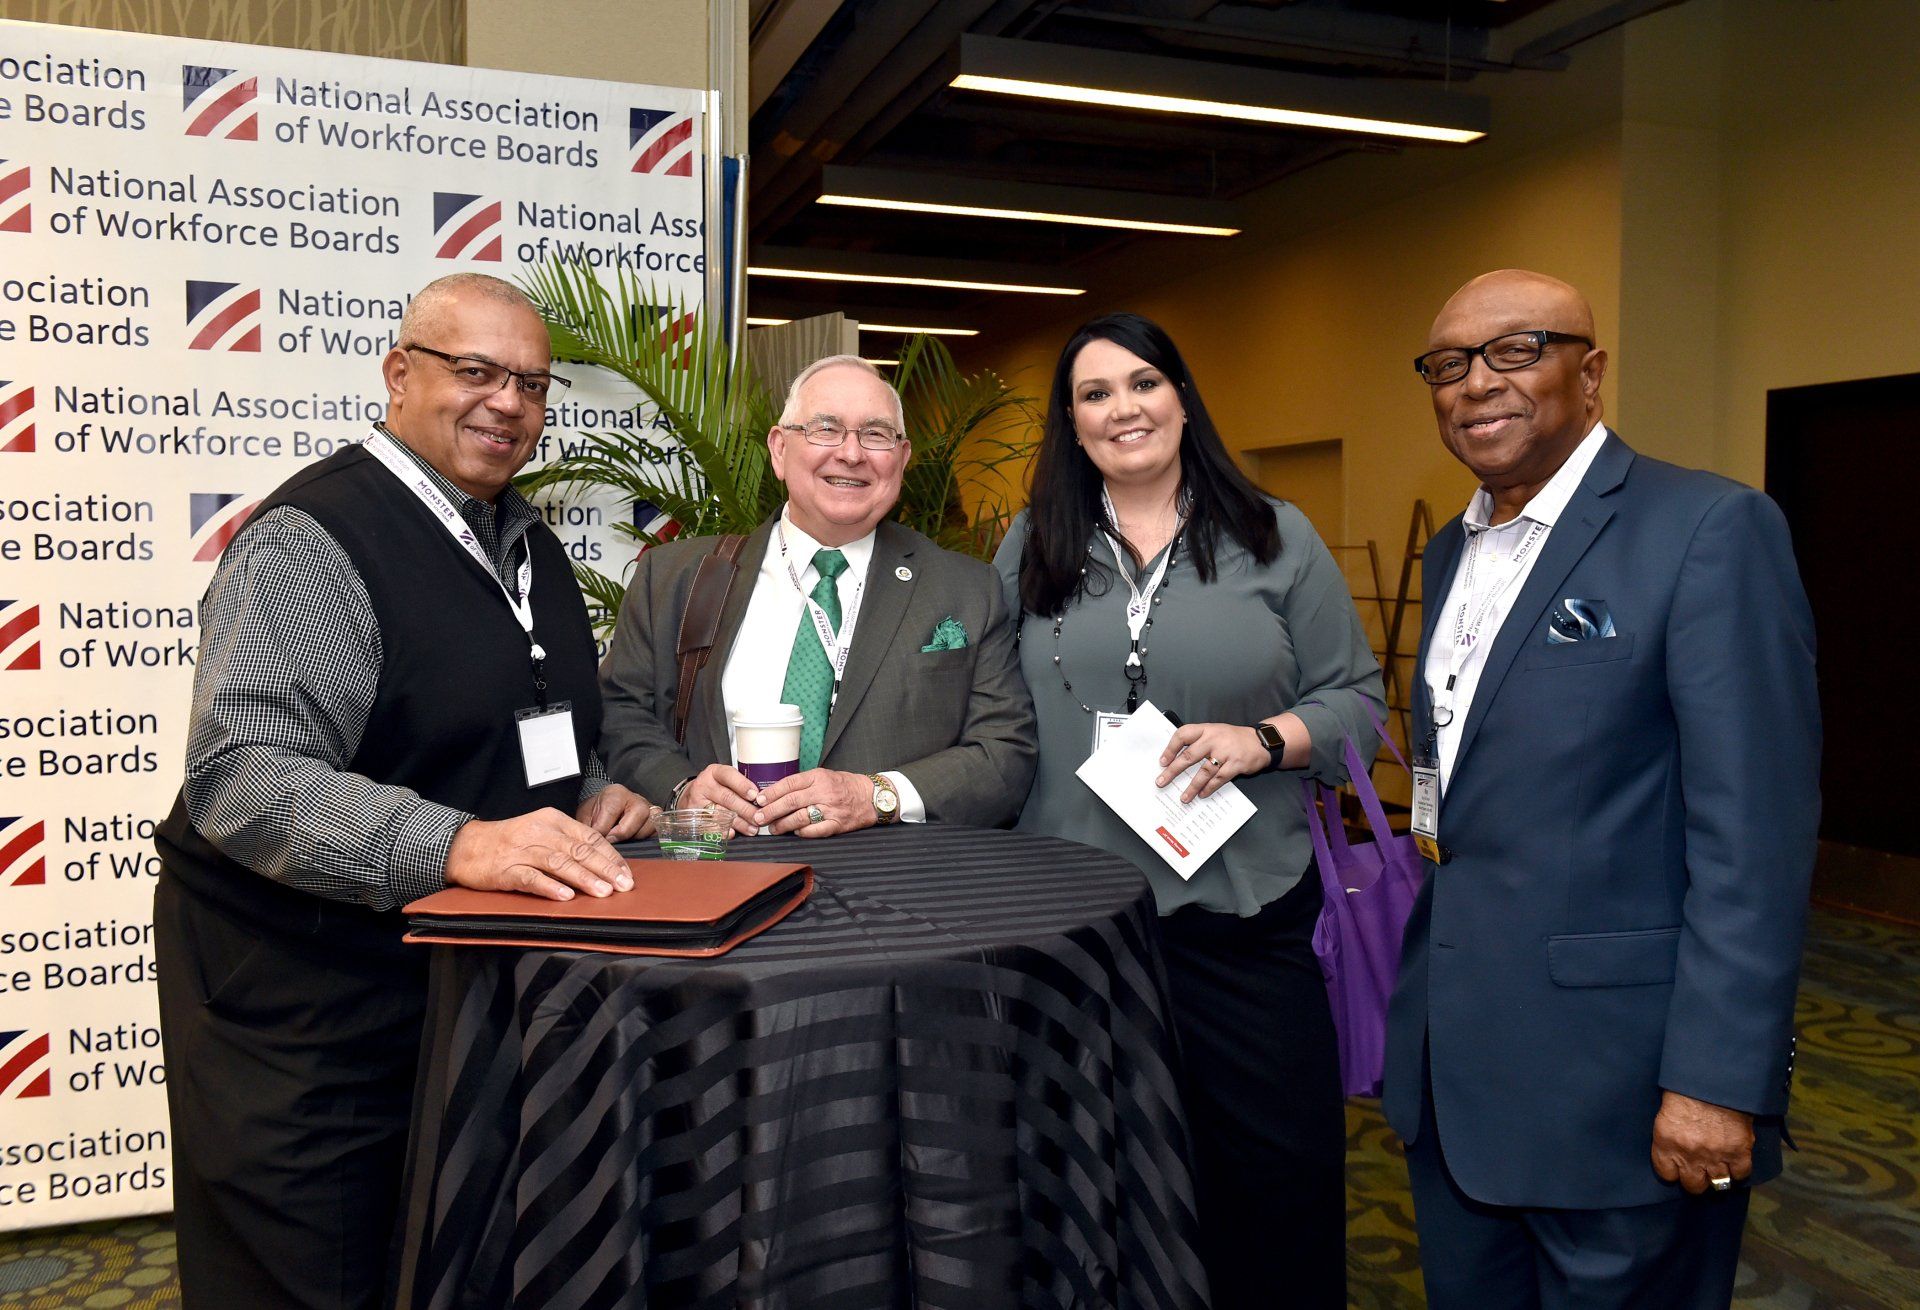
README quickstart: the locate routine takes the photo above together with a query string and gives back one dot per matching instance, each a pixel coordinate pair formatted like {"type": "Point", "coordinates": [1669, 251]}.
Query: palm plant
{"type": "Point", "coordinates": [711, 474]}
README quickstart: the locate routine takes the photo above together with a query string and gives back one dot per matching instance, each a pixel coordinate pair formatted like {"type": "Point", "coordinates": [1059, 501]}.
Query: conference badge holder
{"type": "Point", "coordinates": [1426, 807]}
{"type": "Point", "coordinates": [547, 746]}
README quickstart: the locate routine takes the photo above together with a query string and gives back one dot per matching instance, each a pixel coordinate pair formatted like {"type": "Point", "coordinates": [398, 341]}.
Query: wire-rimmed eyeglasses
{"type": "Point", "coordinates": [826, 432]}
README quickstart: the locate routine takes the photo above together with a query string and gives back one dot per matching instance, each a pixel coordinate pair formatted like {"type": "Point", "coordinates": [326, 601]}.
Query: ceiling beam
{"type": "Point", "coordinates": [1550, 32]}
{"type": "Point", "coordinates": [1321, 35]}
{"type": "Point", "coordinates": [779, 40]}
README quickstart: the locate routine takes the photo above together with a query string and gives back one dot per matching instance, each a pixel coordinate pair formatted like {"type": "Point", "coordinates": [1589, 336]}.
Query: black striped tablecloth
{"type": "Point", "coordinates": [947, 1081]}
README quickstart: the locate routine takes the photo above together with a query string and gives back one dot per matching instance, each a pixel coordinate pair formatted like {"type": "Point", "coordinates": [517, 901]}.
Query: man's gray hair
{"type": "Point", "coordinates": [431, 300]}
{"type": "Point", "coordinates": [791, 412]}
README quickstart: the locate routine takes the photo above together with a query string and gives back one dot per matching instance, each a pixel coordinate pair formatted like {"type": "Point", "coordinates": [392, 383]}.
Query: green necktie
{"type": "Point", "coordinates": [809, 672]}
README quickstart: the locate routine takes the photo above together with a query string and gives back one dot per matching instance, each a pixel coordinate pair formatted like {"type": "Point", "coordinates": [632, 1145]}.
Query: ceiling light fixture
{"type": "Point", "coordinates": [906, 271]}
{"type": "Point", "coordinates": [895, 328]}
{"type": "Point", "coordinates": [978, 197]}
{"type": "Point", "coordinates": [1032, 215]}
{"type": "Point", "coordinates": [1041, 71]}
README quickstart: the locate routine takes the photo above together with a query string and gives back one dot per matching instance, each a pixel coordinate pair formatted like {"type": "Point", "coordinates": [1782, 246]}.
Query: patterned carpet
{"type": "Point", "coordinates": [1839, 1231]}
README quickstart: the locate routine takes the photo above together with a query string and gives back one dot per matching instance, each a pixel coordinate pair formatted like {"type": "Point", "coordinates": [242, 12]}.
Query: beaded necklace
{"type": "Point", "coordinates": [1135, 666]}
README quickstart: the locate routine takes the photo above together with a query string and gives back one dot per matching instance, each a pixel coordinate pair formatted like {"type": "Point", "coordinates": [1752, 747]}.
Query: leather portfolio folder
{"type": "Point", "coordinates": [676, 907]}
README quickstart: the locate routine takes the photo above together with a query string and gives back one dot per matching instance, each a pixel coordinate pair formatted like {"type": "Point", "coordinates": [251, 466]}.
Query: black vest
{"type": "Point", "coordinates": [454, 667]}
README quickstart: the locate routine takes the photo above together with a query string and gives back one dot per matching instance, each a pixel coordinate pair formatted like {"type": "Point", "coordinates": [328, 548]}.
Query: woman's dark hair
{"type": "Point", "coordinates": [1065, 505]}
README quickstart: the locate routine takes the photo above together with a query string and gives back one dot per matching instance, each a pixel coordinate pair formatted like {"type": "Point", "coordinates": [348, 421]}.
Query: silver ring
{"type": "Point", "coordinates": [817, 814]}
{"type": "Point", "coordinates": [1720, 1184]}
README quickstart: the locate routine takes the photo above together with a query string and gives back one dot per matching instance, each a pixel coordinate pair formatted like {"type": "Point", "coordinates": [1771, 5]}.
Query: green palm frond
{"type": "Point", "coordinates": [709, 470]}
{"type": "Point", "coordinates": [713, 477]}
{"type": "Point", "coordinates": [964, 429]}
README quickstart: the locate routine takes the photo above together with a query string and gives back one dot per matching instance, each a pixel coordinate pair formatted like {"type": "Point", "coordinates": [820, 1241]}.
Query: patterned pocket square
{"type": "Point", "coordinates": [1578, 620]}
{"type": "Point", "coordinates": [947, 635]}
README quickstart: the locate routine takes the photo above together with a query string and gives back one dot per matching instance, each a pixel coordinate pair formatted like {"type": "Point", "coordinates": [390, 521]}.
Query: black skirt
{"type": "Point", "coordinates": [1262, 1089]}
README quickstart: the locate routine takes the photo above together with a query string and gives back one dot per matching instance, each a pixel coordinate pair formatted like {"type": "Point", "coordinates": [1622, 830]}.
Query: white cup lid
{"type": "Point", "coordinates": [767, 716]}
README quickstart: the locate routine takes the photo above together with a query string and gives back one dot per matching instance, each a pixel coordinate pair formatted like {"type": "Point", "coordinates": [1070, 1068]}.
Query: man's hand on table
{"type": "Point", "coordinates": [844, 799]}
{"type": "Point", "coordinates": [724, 788]}
{"type": "Point", "coordinates": [544, 854]}
{"type": "Point", "coordinates": [617, 813]}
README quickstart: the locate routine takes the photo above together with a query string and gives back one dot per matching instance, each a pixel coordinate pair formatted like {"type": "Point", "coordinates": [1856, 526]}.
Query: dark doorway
{"type": "Point", "coordinates": [1843, 461]}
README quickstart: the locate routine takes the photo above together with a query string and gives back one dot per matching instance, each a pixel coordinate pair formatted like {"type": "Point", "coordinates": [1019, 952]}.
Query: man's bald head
{"type": "Point", "coordinates": [1515, 425]}
{"type": "Point", "coordinates": [1526, 298]}
{"type": "Point", "coordinates": [428, 310]}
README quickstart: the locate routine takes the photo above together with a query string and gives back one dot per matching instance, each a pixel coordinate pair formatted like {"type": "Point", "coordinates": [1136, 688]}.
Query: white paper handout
{"type": "Point", "coordinates": [1121, 773]}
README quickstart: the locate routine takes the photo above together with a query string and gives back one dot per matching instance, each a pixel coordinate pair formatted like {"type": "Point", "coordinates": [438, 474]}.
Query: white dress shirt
{"type": "Point", "coordinates": [1492, 571]}
{"type": "Point", "coordinates": [757, 667]}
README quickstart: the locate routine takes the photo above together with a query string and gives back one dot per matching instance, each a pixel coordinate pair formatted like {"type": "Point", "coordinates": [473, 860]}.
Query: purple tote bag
{"type": "Point", "coordinates": [1369, 892]}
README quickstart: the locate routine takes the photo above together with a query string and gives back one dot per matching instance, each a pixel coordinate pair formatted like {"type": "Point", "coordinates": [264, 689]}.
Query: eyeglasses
{"type": "Point", "coordinates": [825, 432]}
{"type": "Point", "coordinates": [484, 377]}
{"type": "Point", "coordinates": [1504, 354]}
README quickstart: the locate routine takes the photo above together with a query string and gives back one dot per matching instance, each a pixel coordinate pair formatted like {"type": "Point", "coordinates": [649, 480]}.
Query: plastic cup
{"type": "Point", "coordinates": [766, 742]}
{"type": "Point", "coordinates": [694, 834]}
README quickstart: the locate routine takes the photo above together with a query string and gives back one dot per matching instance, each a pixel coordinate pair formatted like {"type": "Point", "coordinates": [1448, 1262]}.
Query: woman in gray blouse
{"type": "Point", "coordinates": [1147, 567]}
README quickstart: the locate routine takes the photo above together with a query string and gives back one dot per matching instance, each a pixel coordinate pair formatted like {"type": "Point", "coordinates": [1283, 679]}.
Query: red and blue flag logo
{"type": "Point", "coordinates": [661, 142]}
{"type": "Point", "coordinates": [23, 1065]}
{"type": "Point", "coordinates": [16, 418]}
{"type": "Point", "coordinates": [218, 102]}
{"type": "Point", "coordinates": [223, 316]}
{"type": "Point", "coordinates": [23, 853]}
{"type": "Point", "coordinates": [16, 214]}
{"type": "Point", "coordinates": [466, 227]}
{"type": "Point", "coordinates": [649, 518]}
{"type": "Point", "coordinates": [19, 634]}
{"type": "Point", "coordinates": [217, 516]}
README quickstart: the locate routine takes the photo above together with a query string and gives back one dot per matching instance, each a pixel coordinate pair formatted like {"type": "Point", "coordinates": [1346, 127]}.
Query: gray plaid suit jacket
{"type": "Point", "coordinates": [958, 723]}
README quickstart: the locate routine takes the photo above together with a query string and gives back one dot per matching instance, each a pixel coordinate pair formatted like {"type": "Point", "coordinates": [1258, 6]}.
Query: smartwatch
{"type": "Point", "coordinates": [1270, 738]}
{"type": "Point", "coordinates": [886, 801]}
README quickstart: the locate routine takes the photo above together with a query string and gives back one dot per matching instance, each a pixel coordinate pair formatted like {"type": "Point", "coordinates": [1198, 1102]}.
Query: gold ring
{"type": "Point", "coordinates": [1215, 763]}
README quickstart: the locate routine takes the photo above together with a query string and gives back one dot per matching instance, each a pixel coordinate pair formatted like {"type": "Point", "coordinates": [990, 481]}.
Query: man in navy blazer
{"type": "Point", "coordinates": [1590, 1045]}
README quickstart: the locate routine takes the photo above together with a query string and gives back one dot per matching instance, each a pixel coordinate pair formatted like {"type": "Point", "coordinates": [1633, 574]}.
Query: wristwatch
{"type": "Point", "coordinates": [1270, 738]}
{"type": "Point", "coordinates": [886, 801]}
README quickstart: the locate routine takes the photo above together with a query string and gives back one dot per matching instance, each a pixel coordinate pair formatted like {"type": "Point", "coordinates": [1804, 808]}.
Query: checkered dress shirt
{"type": "Point", "coordinates": [289, 666]}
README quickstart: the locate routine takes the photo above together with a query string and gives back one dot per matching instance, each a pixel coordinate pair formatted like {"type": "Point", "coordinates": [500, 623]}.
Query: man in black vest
{"type": "Point", "coordinates": [395, 693]}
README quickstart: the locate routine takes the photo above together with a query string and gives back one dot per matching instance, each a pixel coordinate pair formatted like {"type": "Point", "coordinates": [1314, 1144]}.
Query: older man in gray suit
{"type": "Point", "coordinates": [899, 654]}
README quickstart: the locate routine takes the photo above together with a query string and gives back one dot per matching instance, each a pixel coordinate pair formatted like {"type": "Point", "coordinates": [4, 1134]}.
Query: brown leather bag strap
{"type": "Point", "coordinates": [700, 623]}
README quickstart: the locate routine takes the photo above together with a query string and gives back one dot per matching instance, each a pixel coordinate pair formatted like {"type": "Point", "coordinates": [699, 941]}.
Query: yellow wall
{"type": "Point", "coordinates": [430, 30]}
{"type": "Point", "coordinates": [1733, 184]}
{"type": "Point", "coordinates": [1313, 339]}
{"type": "Point", "coordinates": [1821, 266]}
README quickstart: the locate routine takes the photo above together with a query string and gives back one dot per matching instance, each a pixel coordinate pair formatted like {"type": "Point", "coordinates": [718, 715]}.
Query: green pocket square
{"type": "Point", "coordinates": [947, 635]}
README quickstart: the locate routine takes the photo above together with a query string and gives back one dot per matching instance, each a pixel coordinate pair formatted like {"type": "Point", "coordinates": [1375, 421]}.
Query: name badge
{"type": "Point", "coordinates": [1105, 721]}
{"type": "Point", "coordinates": [1426, 808]}
{"type": "Point", "coordinates": [547, 747]}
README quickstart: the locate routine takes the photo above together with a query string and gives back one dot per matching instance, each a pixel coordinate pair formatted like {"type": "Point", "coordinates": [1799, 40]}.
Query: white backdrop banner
{"type": "Point", "coordinates": [205, 250]}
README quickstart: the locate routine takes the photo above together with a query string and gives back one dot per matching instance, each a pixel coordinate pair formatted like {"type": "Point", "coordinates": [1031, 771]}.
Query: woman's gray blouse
{"type": "Point", "coordinates": [1252, 643]}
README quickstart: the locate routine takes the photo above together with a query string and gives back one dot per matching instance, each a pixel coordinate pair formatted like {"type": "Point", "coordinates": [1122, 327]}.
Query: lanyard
{"type": "Point", "coordinates": [1139, 599]}
{"type": "Point", "coordinates": [836, 645]}
{"type": "Point", "coordinates": [1467, 630]}
{"type": "Point", "coordinates": [384, 448]}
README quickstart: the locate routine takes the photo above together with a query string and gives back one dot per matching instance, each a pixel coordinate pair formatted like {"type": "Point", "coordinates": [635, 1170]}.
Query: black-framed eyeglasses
{"type": "Point", "coordinates": [1503, 354]}
{"type": "Point", "coordinates": [825, 432]}
{"type": "Point", "coordinates": [484, 377]}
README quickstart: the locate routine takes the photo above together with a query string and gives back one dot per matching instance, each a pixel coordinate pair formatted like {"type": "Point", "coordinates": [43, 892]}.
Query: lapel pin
{"type": "Point", "coordinates": [903, 573]}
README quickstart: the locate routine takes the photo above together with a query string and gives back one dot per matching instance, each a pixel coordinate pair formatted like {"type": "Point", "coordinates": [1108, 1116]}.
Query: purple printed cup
{"type": "Point", "coordinates": [766, 742]}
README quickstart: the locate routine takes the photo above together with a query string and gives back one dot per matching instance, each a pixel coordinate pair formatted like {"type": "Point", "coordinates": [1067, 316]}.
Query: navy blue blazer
{"type": "Point", "coordinates": [1630, 827]}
